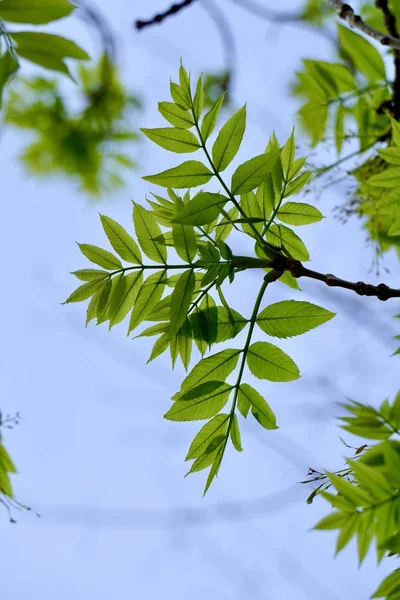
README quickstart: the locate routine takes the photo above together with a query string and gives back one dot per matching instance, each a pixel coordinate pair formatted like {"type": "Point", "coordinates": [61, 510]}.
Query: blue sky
{"type": "Point", "coordinates": [95, 456]}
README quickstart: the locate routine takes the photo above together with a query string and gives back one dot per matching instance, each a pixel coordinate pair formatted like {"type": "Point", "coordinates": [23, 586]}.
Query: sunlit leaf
{"type": "Point", "coordinates": [147, 230]}
{"type": "Point", "coordinates": [202, 443]}
{"type": "Point", "coordinates": [147, 298]}
{"type": "Point", "coordinates": [173, 139]}
{"type": "Point", "coordinates": [215, 367]}
{"type": "Point", "coordinates": [100, 257]}
{"type": "Point", "coordinates": [203, 208]}
{"type": "Point", "coordinates": [362, 54]}
{"type": "Point", "coordinates": [253, 172]}
{"type": "Point", "coordinates": [267, 361]}
{"type": "Point", "coordinates": [124, 296]}
{"type": "Point", "coordinates": [187, 175]}
{"type": "Point", "coordinates": [36, 12]}
{"type": "Point", "coordinates": [291, 317]}
{"type": "Point", "coordinates": [121, 241]}
{"type": "Point", "coordinates": [175, 115]}
{"type": "Point", "coordinates": [229, 139]}
{"type": "Point", "coordinates": [209, 120]}
{"type": "Point", "coordinates": [181, 299]}
{"type": "Point", "coordinates": [249, 397]}
{"type": "Point", "coordinates": [204, 407]}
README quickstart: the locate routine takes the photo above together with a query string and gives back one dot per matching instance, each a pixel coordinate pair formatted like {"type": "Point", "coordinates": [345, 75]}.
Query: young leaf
{"type": "Point", "coordinates": [291, 317]}
{"type": "Point", "coordinates": [121, 241]}
{"type": "Point", "coordinates": [184, 242]}
{"type": "Point", "coordinates": [229, 139]}
{"type": "Point", "coordinates": [298, 213]}
{"type": "Point", "coordinates": [160, 346]}
{"type": "Point", "coordinates": [265, 196]}
{"type": "Point", "coordinates": [362, 54]}
{"type": "Point", "coordinates": [259, 407]}
{"type": "Point", "coordinates": [83, 292]}
{"type": "Point", "coordinates": [200, 408]}
{"type": "Point", "coordinates": [267, 361]}
{"type": "Point", "coordinates": [211, 431]}
{"type": "Point", "coordinates": [147, 230]}
{"type": "Point", "coordinates": [390, 178]}
{"type": "Point", "coordinates": [209, 120]}
{"type": "Point", "coordinates": [36, 12]}
{"type": "Point", "coordinates": [180, 96]}
{"type": "Point", "coordinates": [253, 172]}
{"type": "Point", "coordinates": [124, 297]}
{"type": "Point", "coordinates": [198, 99]}
{"type": "Point", "coordinates": [90, 274]}
{"type": "Point", "coordinates": [297, 184]}
{"type": "Point", "coordinates": [390, 155]}
{"type": "Point", "coordinates": [45, 59]}
{"type": "Point", "coordinates": [287, 156]}
{"type": "Point", "coordinates": [187, 175]}
{"type": "Point", "coordinates": [173, 139]}
{"type": "Point", "coordinates": [203, 208]}
{"type": "Point", "coordinates": [339, 126]}
{"type": "Point", "coordinates": [214, 367]}
{"type": "Point", "coordinates": [147, 298]}
{"type": "Point", "coordinates": [104, 301]}
{"type": "Point", "coordinates": [235, 434]}
{"type": "Point", "coordinates": [175, 115]}
{"type": "Point", "coordinates": [181, 299]}
{"type": "Point", "coordinates": [280, 235]}
{"type": "Point", "coordinates": [100, 257]}
{"type": "Point", "coordinates": [8, 67]}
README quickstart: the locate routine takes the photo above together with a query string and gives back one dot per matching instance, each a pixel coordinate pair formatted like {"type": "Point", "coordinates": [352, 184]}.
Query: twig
{"type": "Point", "coordinates": [391, 27]}
{"type": "Point", "coordinates": [381, 291]}
{"type": "Point", "coordinates": [346, 13]}
{"type": "Point", "coordinates": [159, 18]}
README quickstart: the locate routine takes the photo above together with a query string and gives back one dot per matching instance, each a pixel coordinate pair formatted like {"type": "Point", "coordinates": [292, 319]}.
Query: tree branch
{"type": "Point", "coordinates": [159, 18]}
{"type": "Point", "coordinates": [391, 27]}
{"type": "Point", "coordinates": [346, 13]}
{"type": "Point", "coordinates": [381, 291]}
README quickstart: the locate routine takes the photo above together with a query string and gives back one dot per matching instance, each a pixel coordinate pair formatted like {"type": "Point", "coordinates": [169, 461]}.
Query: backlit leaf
{"type": "Point", "coordinates": [121, 241]}
{"type": "Point", "coordinates": [235, 434]}
{"type": "Point", "coordinates": [259, 407]}
{"type": "Point", "coordinates": [187, 175]}
{"type": "Point", "coordinates": [253, 172]}
{"type": "Point", "coordinates": [390, 178]}
{"type": "Point", "coordinates": [36, 12]}
{"type": "Point", "coordinates": [216, 428]}
{"type": "Point", "coordinates": [100, 257]}
{"type": "Point", "coordinates": [229, 139]}
{"type": "Point", "coordinates": [181, 299]}
{"type": "Point", "coordinates": [147, 230]}
{"type": "Point", "coordinates": [362, 54]}
{"type": "Point", "coordinates": [291, 317]}
{"type": "Point", "coordinates": [147, 298]}
{"type": "Point", "coordinates": [124, 296]}
{"type": "Point", "coordinates": [267, 361]}
{"type": "Point", "coordinates": [173, 139]}
{"type": "Point", "coordinates": [200, 408]}
{"type": "Point", "coordinates": [215, 367]}
{"type": "Point", "coordinates": [280, 235]}
{"type": "Point", "coordinates": [203, 208]}
{"type": "Point", "coordinates": [175, 115]}
{"type": "Point", "coordinates": [298, 213]}
{"type": "Point", "coordinates": [209, 120]}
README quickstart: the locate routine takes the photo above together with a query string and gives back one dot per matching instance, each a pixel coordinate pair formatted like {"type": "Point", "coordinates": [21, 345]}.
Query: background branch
{"type": "Point", "coordinates": [159, 18]}
{"type": "Point", "coordinates": [346, 13]}
{"type": "Point", "coordinates": [391, 27]}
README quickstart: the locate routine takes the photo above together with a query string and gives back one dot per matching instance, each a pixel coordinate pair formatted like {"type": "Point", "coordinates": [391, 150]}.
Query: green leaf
{"type": "Point", "coordinates": [198, 99]}
{"type": "Point", "coordinates": [209, 120]}
{"type": "Point", "coordinates": [265, 196]}
{"type": "Point", "coordinates": [180, 96]}
{"type": "Point", "coordinates": [259, 407]}
{"type": "Point", "coordinates": [298, 213]}
{"type": "Point", "coordinates": [200, 408]}
{"type": "Point", "coordinates": [390, 587]}
{"type": "Point", "coordinates": [297, 184]}
{"type": "Point", "coordinates": [253, 172]}
{"type": "Point", "coordinates": [202, 443]}
{"type": "Point", "coordinates": [147, 298]}
{"type": "Point", "coordinates": [187, 175]}
{"type": "Point", "coordinates": [204, 389]}
{"type": "Point", "coordinates": [291, 317]}
{"type": "Point", "coordinates": [390, 155]}
{"type": "Point", "coordinates": [225, 225]}
{"type": "Point", "coordinates": [287, 156]}
{"type": "Point", "coordinates": [267, 361]}
{"type": "Point", "coordinates": [214, 367]}
{"type": "Point", "coordinates": [214, 469]}
{"type": "Point", "coordinates": [184, 341]}
{"type": "Point", "coordinates": [104, 300]}
{"type": "Point", "coordinates": [159, 347]}
{"type": "Point", "coordinates": [361, 54]}
{"type": "Point", "coordinates": [314, 116]}
{"type": "Point", "coordinates": [124, 297]}
{"type": "Point", "coordinates": [203, 208]}
{"type": "Point", "coordinates": [121, 241]}
{"type": "Point", "coordinates": [229, 139]}
{"type": "Point", "coordinates": [90, 274]}
{"type": "Point", "coordinates": [390, 178]}
{"type": "Point", "coordinates": [339, 126]}
{"type": "Point", "coordinates": [173, 139]}
{"type": "Point", "coordinates": [184, 80]}
{"type": "Point", "coordinates": [8, 67]}
{"type": "Point", "coordinates": [83, 292]}
{"type": "Point", "coordinates": [175, 115]}
{"type": "Point", "coordinates": [395, 131]}
{"type": "Point", "coordinates": [280, 235]}
{"type": "Point", "coordinates": [147, 230]}
{"type": "Point", "coordinates": [46, 60]}
{"type": "Point", "coordinates": [50, 44]}
{"type": "Point", "coordinates": [100, 257]}
{"type": "Point", "coordinates": [181, 299]}
{"type": "Point", "coordinates": [235, 434]}
{"type": "Point", "coordinates": [36, 12]}
{"type": "Point", "coordinates": [184, 242]}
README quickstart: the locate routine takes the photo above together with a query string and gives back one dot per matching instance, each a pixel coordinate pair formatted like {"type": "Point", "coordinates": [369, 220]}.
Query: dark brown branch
{"type": "Point", "coordinates": [159, 18]}
{"type": "Point", "coordinates": [346, 13]}
{"type": "Point", "coordinates": [391, 27]}
{"type": "Point", "coordinates": [381, 291]}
